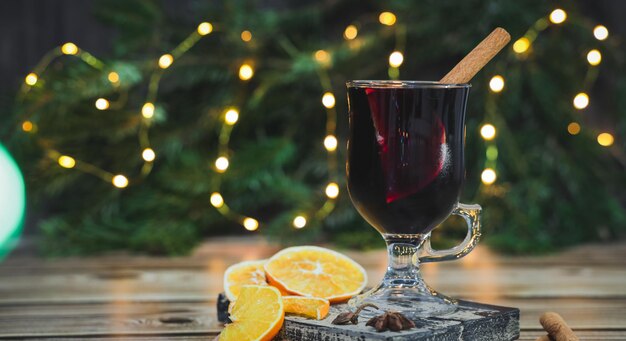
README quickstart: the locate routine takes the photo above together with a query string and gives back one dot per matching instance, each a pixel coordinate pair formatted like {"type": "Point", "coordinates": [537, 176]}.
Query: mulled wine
{"type": "Point", "coordinates": [405, 153]}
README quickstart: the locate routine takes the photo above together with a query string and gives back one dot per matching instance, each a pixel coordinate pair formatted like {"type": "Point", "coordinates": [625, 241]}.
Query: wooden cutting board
{"type": "Point", "coordinates": [472, 321]}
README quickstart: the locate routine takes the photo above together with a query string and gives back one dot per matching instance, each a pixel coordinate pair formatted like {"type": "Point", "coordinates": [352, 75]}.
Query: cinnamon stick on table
{"type": "Point", "coordinates": [469, 66]}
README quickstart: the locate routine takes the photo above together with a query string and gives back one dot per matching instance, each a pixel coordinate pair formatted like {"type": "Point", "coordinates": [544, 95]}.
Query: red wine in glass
{"type": "Point", "coordinates": [405, 156]}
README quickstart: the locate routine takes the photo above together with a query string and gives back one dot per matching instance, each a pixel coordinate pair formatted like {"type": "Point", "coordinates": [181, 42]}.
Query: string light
{"type": "Point", "coordinates": [488, 131]}
{"type": "Point", "coordinates": [246, 36]}
{"type": "Point", "coordinates": [69, 49]}
{"type": "Point", "coordinates": [581, 101]}
{"type": "Point", "coordinates": [350, 32]}
{"type": "Point", "coordinates": [330, 143]}
{"type": "Point", "coordinates": [488, 176]}
{"type": "Point", "coordinates": [113, 77]}
{"type": "Point", "coordinates": [332, 190]}
{"type": "Point", "coordinates": [387, 18]}
{"type": "Point", "coordinates": [27, 126]}
{"type": "Point", "coordinates": [395, 59]}
{"type": "Point", "coordinates": [31, 79]}
{"type": "Point", "coordinates": [221, 163]}
{"type": "Point", "coordinates": [605, 139]}
{"type": "Point", "coordinates": [120, 181]}
{"type": "Point", "coordinates": [573, 128]}
{"type": "Point", "coordinates": [594, 57]}
{"type": "Point", "coordinates": [558, 16]}
{"type": "Point", "coordinates": [231, 117]}
{"type": "Point", "coordinates": [245, 72]}
{"type": "Point", "coordinates": [250, 224]}
{"type": "Point", "coordinates": [299, 222]}
{"type": "Point", "coordinates": [521, 45]}
{"type": "Point", "coordinates": [205, 28]}
{"type": "Point", "coordinates": [328, 100]}
{"type": "Point", "coordinates": [600, 32]}
{"type": "Point", "coordinates": [148, 155]}
{"type": "Point", "coordinates": [165, 61]}
{"type": "Point", "coordinates": [322, 56]}
{"type": "Point", "coordinates": [147, 110]}
{"type": "Point", "coordinates": [216, 200]}
{"type": "Point", "coordinates": [102, 104]}
{"type": "Point", "coordinates": [66, 161]}
{"type": "Point", "coordinates": [496, 84]}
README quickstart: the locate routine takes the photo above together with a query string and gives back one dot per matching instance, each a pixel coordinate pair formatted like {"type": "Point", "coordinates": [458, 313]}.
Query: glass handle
{"type": "Point", "coordinates": [471, 214]}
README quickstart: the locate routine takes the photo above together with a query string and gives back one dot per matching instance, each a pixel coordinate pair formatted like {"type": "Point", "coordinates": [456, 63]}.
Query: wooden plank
{"type": "Point", "coordinates": [118, 318]}
{"type": "Point", "coordinates": [478, 284]}
{"type": "Point", "coordinates": [123, 317]}
{"type": "Point", "coordinates": [231, 250]}
{"type": "Point", "coordinates": [145, 298]}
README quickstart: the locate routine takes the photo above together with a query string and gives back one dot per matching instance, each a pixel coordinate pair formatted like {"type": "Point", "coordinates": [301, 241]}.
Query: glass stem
{"type": "Point", "coordinates": [403, 270]}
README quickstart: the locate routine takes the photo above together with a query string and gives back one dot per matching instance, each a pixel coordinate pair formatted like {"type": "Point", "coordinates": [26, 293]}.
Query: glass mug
{"type": "Point", "coordinates": [405, 170]}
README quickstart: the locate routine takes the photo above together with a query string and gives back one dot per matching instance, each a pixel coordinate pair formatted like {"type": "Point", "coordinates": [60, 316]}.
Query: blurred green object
{"type": "Point", "coordinates": [552, 190]}
{"type": "Point", "coordinates": [12, 202]}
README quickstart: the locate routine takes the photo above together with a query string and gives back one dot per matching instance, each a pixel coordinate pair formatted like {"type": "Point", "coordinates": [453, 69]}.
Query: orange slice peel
{"type": "Point", "coordinates": [310, 307]}
{"type": "Point", "coordinates": [257, 315]}
{"type": "Point", "coordinates": [244, 273]}
{"type": "Point", "coordinates": [313, 271]}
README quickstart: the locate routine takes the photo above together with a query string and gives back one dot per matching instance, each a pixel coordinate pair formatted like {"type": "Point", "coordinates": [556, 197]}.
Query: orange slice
{"type": "Point", "coordinates": [244, 273]}
{"type": "Point", "coordinates": [311, 307]}
{"type": "Point", "coordinates": [257, 315]}
{"type": "Point", "coordinates": [316, 272]}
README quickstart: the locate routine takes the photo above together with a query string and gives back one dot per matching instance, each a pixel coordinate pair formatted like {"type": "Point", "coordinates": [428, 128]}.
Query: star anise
{"type": "Point", "coordinates": [351, 317]}
{"type": "Point", "coordinates": [391, 320]}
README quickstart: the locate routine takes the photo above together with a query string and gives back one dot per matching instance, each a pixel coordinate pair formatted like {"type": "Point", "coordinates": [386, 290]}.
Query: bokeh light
{"type": "Point", "coordinates": [102, 104]}
{"type": "Point", "coordinates": [496, 84]}
{"type": "Point", "coordinates": [350, 32]}
{"type": "Point", "coordinates": [573, 128]}
{"type": "Point", "coordinates": [69, 48]}
{"type": "Point", "coordinates": [328, 100]}
{"type": "Point", "coordinates": [558, 16]}
{"type": "Point", "coordinates": [594, 57]}
{"type": "Point", "coordinates": [332, 190]}
{"type": "Point", "coordinates": [600, 32]}
{"type": "Point", "coordinates": [222, 163]}
{"type": "Point", "coordinates": [330, 143]}
{"type": "Point", "coordinates": [488, 131]}
{"type": "Point", "coordinates": [120, 181]}
{"type": "Point", "coordinates": [250, 224]}
{"type": "Point", "coordinates": [488, 176]}
{"type": "Point", "coordinates": [216, 200]}
{"type": "Point", "coordinates": [12, 202]}
{"type": "Point", "coordinates": [387, 18]}
{"type": "Point", "coordinates": [521, 45]}
{"type": "Point", "coordinates": [605, 139]}
{"type": "Point", "coordinates": [148, 155]}
{"type": "Point", "coordinates": [205, 28]}
{"type": "Point", "coordinates": [165, 61]}
{"type": "Point", "coordinates": [66, 161]}
{"type": "Point", "coordinates": [245, 72]}
{"type": "Point", "coordinates": [395, 59]}
{"type": "Point", "coordinates": [581, 100]}
{"type": "Point", "coordinates": [299, 222]}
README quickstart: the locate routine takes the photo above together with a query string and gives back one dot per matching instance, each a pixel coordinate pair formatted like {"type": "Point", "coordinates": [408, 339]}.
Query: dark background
{"type": "Point", "coordinates": [30, 28]}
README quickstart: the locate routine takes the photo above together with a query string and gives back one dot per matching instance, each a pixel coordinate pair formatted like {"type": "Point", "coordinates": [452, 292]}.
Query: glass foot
{"type": "Point", "coordinates": [403, 288]}
{"type": "Point", "coordinates": [414, 303]}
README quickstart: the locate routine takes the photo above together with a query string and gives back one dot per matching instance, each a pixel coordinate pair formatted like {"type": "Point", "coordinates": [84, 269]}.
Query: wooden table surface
{"type": "Point", "coordinates": [122, 297]}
